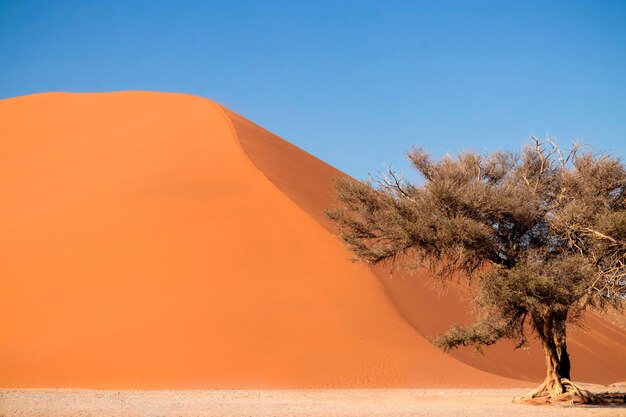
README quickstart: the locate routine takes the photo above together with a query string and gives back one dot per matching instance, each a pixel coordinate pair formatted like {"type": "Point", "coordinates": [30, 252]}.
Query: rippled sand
{"type": "Point", "coordinates": [328, 403]}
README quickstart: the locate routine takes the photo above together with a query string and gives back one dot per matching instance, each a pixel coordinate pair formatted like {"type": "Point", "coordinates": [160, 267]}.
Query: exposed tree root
{"type": "Point", "coordinates": [565, 391]}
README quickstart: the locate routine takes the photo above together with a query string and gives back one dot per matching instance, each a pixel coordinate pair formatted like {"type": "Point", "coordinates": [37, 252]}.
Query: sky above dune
{"type": "Point", "coordinates": [355, 83]}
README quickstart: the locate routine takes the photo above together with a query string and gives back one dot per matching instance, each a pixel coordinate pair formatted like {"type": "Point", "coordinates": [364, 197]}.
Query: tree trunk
{"type": "Point", "coordinates": [553, 384]}
{"type": "Point", "coordinates": [557, 386]}
{"type": "Point", "coordinates": [560, 341]}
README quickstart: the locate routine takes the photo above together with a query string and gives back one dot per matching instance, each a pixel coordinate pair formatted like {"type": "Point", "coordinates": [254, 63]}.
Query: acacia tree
{"type": "Point", "coordinates": [542, 232]}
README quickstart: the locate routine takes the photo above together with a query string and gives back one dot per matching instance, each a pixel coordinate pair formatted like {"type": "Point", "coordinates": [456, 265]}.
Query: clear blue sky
{"type": "Point", "coordinates": [356, 83]}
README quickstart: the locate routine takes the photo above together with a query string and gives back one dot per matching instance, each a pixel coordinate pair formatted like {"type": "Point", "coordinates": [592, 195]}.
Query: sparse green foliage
{"type": "Point", "coordinates": [543, 232]}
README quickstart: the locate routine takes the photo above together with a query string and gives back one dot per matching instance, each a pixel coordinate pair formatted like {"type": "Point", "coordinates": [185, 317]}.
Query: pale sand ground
{"type": "Point", "coordinates": [252, 403]}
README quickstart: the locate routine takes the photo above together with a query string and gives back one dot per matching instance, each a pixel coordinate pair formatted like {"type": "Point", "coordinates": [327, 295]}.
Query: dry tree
{"type": "Point", "coordinates": [542, 232]}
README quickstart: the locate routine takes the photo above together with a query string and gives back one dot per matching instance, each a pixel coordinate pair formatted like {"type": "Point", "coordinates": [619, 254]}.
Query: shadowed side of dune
{"type": "Point", "coordinates": [597, 353]}
{"type": "Point", "coordinates": [141, 248]}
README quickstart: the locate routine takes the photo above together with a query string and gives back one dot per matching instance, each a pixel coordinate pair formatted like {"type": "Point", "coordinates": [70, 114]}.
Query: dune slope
{"type": "Point", "coordinates": [141, 248]}
{"type": "Point", "coordinates": [598, 351]}
{"type": "Point", "coordinates": [155, 240]}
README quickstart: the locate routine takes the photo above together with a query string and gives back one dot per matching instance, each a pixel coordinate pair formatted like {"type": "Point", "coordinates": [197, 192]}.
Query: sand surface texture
{"type": "Point", "coordinates": [160, 241]}
{"type": "Point", "coordinates": [283, 403]}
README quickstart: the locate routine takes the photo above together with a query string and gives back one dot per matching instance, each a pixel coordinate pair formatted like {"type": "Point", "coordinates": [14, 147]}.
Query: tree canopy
{"type": "Point", "coordinates": [542, 231]}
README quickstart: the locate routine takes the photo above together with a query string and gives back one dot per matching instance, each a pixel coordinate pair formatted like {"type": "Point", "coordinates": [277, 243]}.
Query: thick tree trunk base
{"type": "Point", "coordinates": [565, 391]}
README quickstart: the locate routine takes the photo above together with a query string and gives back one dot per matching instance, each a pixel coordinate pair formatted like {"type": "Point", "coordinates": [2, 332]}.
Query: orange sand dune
{"type": "Point", "coordinates": [159, 241]}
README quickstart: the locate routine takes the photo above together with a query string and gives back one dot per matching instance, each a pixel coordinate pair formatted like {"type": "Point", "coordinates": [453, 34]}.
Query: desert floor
{"type": "Point", "coordinates": [336, 402]}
